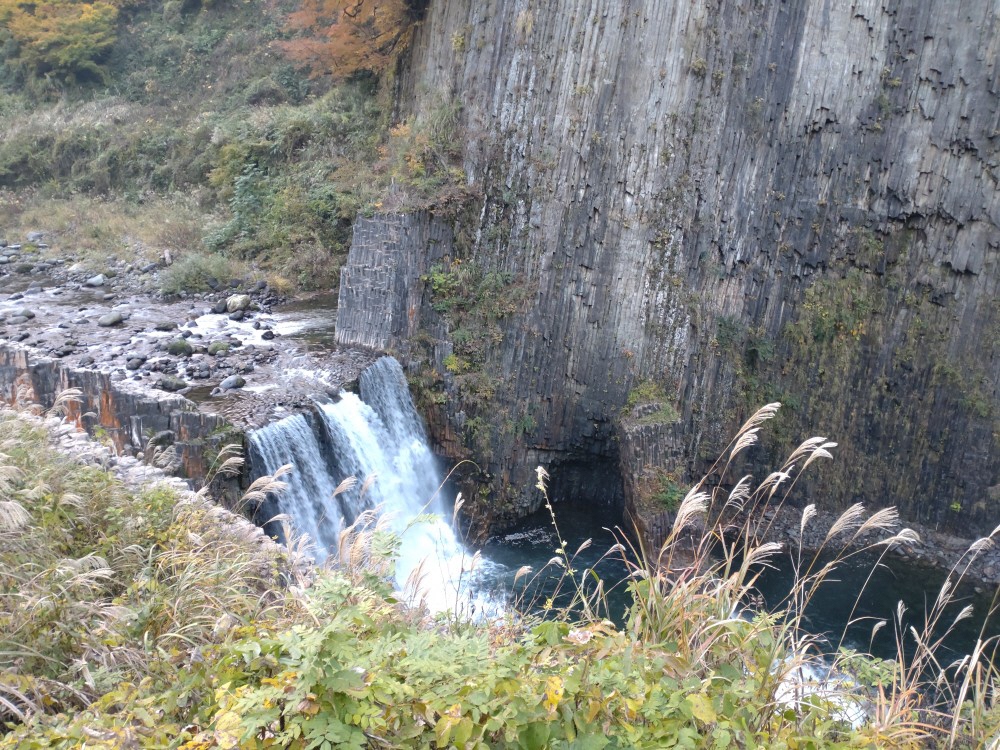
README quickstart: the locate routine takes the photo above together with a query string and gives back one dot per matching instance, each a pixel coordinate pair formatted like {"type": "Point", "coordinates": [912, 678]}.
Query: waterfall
{"type": "Point", "coordinates": [380, 440]}
{"type": "Point", "coordinates": [307, 499]}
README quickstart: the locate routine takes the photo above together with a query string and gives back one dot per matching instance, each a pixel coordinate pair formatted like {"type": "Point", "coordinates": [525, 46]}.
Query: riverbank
{"type": "Point", "coordinates": [180, 631]}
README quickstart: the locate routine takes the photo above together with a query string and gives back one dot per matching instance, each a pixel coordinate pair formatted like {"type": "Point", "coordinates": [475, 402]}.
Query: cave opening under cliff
{"type": "Point", "coordinates": [591, 481]}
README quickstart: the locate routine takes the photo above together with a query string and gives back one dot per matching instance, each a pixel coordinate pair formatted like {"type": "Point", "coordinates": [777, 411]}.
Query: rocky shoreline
{"type": "Point", "coordinates": [224, 349]}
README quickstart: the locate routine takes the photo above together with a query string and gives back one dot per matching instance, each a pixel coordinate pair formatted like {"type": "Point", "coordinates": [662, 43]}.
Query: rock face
{"type": "Point", "coordinates": [125, 416]}
{"type": "Point", "coordinates": [737, 202]}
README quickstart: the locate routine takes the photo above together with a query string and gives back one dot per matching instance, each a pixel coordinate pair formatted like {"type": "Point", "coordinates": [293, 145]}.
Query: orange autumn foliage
{"type": "Point", "coordinates": [65, 37]}
{"type": "Point", "coordinates": [343, 37]}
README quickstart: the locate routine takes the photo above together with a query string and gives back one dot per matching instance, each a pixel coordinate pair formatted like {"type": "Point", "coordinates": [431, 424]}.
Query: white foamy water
{"type": "Point", "coordinates": [379, 439]}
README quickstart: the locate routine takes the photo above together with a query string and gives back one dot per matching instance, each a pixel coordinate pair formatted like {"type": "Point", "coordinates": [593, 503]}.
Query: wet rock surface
{"type": "Point", "coordinates": [249, 371]}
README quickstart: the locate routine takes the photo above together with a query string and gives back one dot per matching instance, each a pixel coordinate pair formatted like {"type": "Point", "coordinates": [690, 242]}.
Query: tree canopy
{"type": "Point", "coordinates": [344, 37]}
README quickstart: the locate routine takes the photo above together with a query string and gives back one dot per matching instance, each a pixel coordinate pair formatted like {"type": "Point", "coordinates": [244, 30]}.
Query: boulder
{"type": "Point", "coordinates": [95, 281]}
{"type": "Point", "coordinates": [165, 325]}
{"type": "Point", "coordinates": [180, 348]}
{"type": "Point", "coordinates": [113, 318]}
{"type": "Point", "coordinates": [233, 381]}
{"type": "Point", "coordinates": [237, 302]}
{"type": "Point", "coordinates": [171, 383]}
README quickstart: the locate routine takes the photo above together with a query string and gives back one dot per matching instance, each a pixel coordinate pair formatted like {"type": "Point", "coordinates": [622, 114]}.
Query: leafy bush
{"type": "Point", "coordinates": [194, 270]}
{"type": "Point", "coordinates": [181, 636]}
{"type": "Point", "coordinates": [68, 38]}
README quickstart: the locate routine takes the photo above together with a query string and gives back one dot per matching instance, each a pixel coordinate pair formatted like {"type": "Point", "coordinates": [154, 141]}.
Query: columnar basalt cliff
{"type": "Point", "coordinates": [708, 205]}
{"type": "Point", "coordinates": [129, 418]}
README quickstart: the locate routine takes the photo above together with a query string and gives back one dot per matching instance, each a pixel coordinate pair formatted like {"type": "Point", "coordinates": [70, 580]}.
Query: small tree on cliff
{"type": "Point", "coordinates": [344, 37]}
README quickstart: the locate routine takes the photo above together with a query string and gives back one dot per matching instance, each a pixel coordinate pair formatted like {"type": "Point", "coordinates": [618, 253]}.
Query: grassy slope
{"type": "Point", "coordinates": [203, 139]}
{"type": "Point", "coordinates": [129, 621]}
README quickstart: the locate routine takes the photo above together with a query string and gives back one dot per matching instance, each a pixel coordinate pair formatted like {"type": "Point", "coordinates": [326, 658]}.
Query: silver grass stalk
{"type": "Point", "coordinates": [966, 612]}
{"type": "Point", "coordinates": [849, 519]}
{"type": "Point", "coordinates": [804, 449]}
{"type": "Point", "coordinates": [694, 504]}
{"type": "Point", "coordinates": [346, 485]}
{"type": "Point", "coordinates": [739, 494]}
{"type": "Point", "coordinates": [13, 516]}
{"type": "Point", "coordinates": [521, 572]}
{"type": "Point", "coordinates": [883, 520]}
{"type": "Point", "coordinates": [745, 440]}
{"type": "Point", "coordinates": [944, 595]}
{"type": "Point", "coordinates": [761, 554]}
{"type": "Point", "coordinates": [763, 414]}
{"type": "Point", "coordinates": [807, 515]}
{"type": "Point", "coordinates": [820, 452]}
{"type": "Point", "coordinates": [980, 545]}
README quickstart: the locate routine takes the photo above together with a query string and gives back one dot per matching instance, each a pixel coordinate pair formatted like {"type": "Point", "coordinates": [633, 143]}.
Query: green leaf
{"type": "Point", "coordinates": [534, 736]}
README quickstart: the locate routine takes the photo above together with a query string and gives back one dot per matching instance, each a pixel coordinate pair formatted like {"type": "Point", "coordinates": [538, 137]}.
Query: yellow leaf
{"type": "Point", "coordinates": [227, 730]}
{"type": "Point", "coordinates": [554, 691]}
{"type": "Point", "coordinates": [701, 707]}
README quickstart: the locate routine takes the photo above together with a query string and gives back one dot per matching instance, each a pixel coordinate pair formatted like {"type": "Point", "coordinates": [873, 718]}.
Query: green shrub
{"type": "Point", "coordinates": [192, 272]}
{"type": "Point", "coordinates": [181, 636]}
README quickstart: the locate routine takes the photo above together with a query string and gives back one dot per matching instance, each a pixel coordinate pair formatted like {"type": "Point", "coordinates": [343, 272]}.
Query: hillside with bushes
{"type": "Point", "coordinates": [198, 130]}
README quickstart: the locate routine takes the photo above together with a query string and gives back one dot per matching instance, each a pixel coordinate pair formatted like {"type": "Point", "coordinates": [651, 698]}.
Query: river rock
{"type": "Point", "coordinates": [233, 381]}
{"type": "Point", "coordinates": [34, 236]}
{"type": "Point", "coordinates": [165, 325]}
{"type": "Point", "coordinates": [220, 307]}
{"type": "Point", "coordinates": [237, 302]}
{"type": "Point", "coordinates": [237, 316]}
{"type": "Point", "coordinates": [24, 312]}
{"type": "Point", "coordinates": [95, 281]}
{"type": "Point", "coordinates": [218, 347]}
{"type": "Point", "coordinates": [180, 348]}
{"type": "Point", "coordinates": [267, 335]}
{"type": "Point", "coordinates": [113, 318]}
{"type": "Point", "coordinates": [17, 319]}
{"type": "Point", "coordinates": [171, 383]}
{"type": "Point", "coordinates": [135, 363]}
{"type": "Point", "coordinates": [148, 268]}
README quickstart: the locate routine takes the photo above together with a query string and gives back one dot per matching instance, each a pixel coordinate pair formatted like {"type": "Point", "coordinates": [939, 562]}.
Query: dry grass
{"type": "Point", "coordinates": [91, 229]}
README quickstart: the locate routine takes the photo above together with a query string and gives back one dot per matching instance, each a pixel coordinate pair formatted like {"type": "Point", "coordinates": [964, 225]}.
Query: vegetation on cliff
{"type": "Point", "coordinates": [127, 620]}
